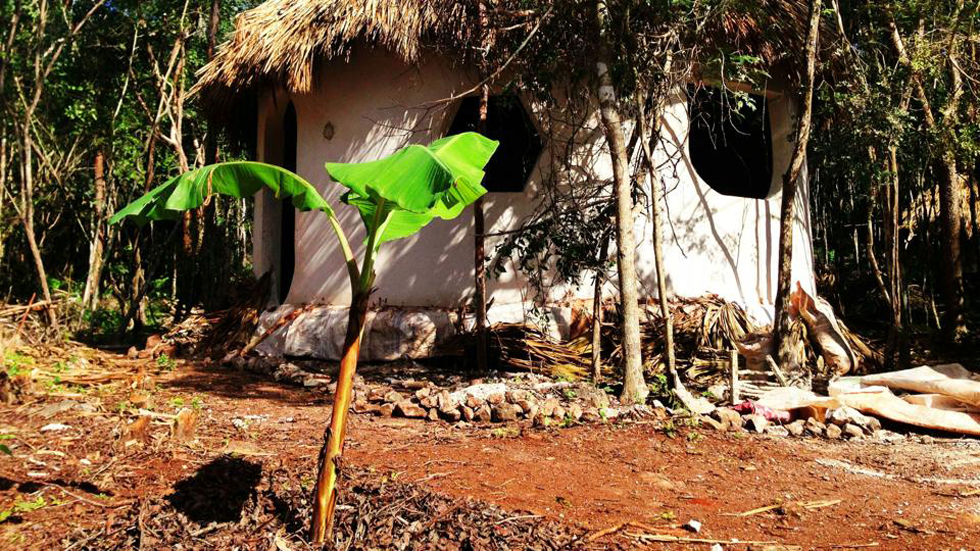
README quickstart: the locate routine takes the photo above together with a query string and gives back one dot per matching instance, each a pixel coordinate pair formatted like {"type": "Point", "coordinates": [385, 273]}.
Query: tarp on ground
{"type": "Point", "coordinates": [949, 380]}
{"type": "Point", "coordinates": [887, 405]}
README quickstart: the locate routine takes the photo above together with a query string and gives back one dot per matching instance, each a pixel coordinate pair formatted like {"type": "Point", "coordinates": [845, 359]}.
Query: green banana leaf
{"type": "Point", "coordinates": [416, 184]}
{"type": "Point", "coordinates": [238, 179]}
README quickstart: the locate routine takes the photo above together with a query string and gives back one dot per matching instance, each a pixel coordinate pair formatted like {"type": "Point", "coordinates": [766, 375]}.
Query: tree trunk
{"type": "Point", "coordinates": [479, 223]}
{"type": "Point", "coordinates": [787, 211]}
{"type": "Point", "coordinates": [27, 216]}
{"type": "Point", "coordinates": [954, 324]}
{"type": "Point", "coordinates": [90, 296]}
{"type": "Point", "coordinates": [896, 350]}
{"type": "Point", "coordinates": [597, 314]}
{"type": "Point", "coordinates": [333, 439]}
{"type": "Point", "coordinates": [658, 240]}
{"type": "Point", "coordinates": [634, 386]}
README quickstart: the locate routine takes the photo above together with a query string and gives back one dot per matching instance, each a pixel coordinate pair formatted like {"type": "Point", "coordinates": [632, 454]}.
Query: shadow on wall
{"type": "Point", "coordinates": [721, 229]}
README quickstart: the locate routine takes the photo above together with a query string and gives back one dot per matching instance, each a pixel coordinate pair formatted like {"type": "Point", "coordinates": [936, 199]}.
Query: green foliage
{"type": "Point", "coordinates": [239, 179]}
{"type": "Point", "coordinates": [23, 506]}
{"type": "Point", "coordinates": [166, 362]}
{"type": "Point", "coordinates": [102, 321]}
{"type": "Point", "coordinates": [15, 363]}
{"type": "Point", "coordinates": [398, 195]}
{"type": "Point", "coordinates": [3, 447]}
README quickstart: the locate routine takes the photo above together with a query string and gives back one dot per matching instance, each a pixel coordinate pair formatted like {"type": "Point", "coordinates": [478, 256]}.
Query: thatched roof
{"type": "Point", "coordinates": [282, 41]}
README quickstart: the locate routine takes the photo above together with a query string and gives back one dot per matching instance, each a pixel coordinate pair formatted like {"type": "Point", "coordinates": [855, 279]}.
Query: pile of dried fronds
{"type": "Point", "coordinates": [214, 333]}
{"type": "Point", "coordinates": [520, 348]}
{"type": "Point", "coordinates": [705, 330]}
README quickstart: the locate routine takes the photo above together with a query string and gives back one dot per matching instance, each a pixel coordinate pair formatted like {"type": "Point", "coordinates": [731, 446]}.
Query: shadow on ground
{"type": "Point", "coordinates": [218, 491]}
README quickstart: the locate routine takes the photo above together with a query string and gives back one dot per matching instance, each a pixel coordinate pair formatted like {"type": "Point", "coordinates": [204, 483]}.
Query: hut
{"type": "Point", "coordinates": [354, 80]}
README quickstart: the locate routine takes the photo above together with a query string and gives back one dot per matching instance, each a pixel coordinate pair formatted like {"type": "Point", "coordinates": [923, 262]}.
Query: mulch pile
{"type": "Point", "coordinates": [232, 503]}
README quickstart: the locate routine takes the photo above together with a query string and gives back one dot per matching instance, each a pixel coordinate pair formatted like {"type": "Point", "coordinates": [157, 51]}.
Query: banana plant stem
{"type": "Point", "coordinates": [325, 499]}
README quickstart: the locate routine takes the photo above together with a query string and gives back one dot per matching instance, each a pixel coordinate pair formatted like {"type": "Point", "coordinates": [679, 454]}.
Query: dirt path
{"type": "Point", "coordinates": [65, 484]}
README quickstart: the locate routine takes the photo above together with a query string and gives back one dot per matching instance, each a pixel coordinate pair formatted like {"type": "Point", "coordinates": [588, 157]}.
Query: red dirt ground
{"type": "Point", "coordinates": [919, 493]}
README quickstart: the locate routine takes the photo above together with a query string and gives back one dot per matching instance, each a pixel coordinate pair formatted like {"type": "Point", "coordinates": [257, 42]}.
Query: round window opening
{"type": "Point", "coordinates": [730, 141]}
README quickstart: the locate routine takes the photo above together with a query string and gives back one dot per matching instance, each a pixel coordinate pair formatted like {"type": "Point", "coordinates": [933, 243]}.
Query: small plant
{"type": "Point", "coordinates": [166, 362]}
{"type": "Point", "coordinates": [21, 506]}
{"type": "Point", "coordinates": [15, 363]}
{"type": "Point", "coordinates": [53, 385]}
{"type": "Point", "coordinates": [177, 402]}
{"type": "Point", "coordinates": [3, 447]}
{"type": "Point", "coordinates": [669, 428]}
{"type": "Point", "coordinates": [102, 322]}
{"type": "Point", "coordinates": [570, 394]}
{"type": "Point", "coordinates": [196, 403]}
{"type": "Point", "coordinates": [395, 196]}
{"type": "Point", "coordinates": [505, 432]}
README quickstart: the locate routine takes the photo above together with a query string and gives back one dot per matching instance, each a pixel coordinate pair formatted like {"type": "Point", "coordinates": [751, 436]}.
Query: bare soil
{"type": "Point", "coordinates": [243, 481]}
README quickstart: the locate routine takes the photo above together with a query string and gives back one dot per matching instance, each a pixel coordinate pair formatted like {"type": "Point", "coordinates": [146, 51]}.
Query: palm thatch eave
{"type": "Point", "coordinates": [281, 43]}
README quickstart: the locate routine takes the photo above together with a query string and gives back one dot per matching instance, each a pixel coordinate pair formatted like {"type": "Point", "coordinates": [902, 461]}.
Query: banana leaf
{"type": "Point", "coordinates": [416, 184]}
{"type": "Point", "coordinates": [238, 179]}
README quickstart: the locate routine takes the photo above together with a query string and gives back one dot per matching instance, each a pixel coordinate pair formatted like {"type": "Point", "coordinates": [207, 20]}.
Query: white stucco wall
{"type": "Point", "coordinates": [376, 104]}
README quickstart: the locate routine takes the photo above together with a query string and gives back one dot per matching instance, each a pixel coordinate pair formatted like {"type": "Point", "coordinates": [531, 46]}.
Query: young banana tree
{"type": "Point", "coordinates": [396, 197]}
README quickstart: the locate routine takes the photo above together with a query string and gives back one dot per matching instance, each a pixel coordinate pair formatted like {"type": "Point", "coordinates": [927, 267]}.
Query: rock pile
{"type": "Point", "coordinates": [543, 403]}
{"type": "Point", "coordinates": [838, 423]}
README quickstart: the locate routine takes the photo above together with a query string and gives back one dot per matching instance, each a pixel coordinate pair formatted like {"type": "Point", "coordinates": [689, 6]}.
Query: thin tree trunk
{"type": "Point", "coordinates": [787, 212]}
{"type": "Point", "coordinates": [27, 215]}
{"type": "Point", "coordinates": [90, 296]}
{"type": "Point", "coordinates": [634, 386]}
{"type": "Point", "coordinates": [331, 453]}
{"type": "Point", "coordinates": [896, 353]}
{"type": "Point", "coordinates": [597, 314]}
{"type": "Point", "coordinates": [479, 223]}
{"type": "Point", "coordinates": [658, 240]}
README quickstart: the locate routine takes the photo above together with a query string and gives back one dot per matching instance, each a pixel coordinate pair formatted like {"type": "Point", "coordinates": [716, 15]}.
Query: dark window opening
{"type": "Point", "coordinates": [287, 228]}
{"type": "Point", "coordinates": [730, 141]}
{"type": "Point", "coordinates": [507, 122]}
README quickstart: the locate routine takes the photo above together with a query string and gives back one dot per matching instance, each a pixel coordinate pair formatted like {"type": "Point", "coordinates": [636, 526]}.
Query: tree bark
{"type": "Point", "coordinates": [634, 385]}
{"type": "Point", "coordinates": [90, 296]}
{"type": "Point", "coordinates": [787, 213]}
{"type": "Point", "coordinates": [896, 349]}
{"type": "Point", "coordinates": [658, 240]}
{"type": "Point", "coordinates": [333, 439]}
{"type": "Point", "coordinates": [479, 223]}
{"type": "Point", "coordinates": [597, 314]}
{"type": "Point", "coordinates": [27, 214]}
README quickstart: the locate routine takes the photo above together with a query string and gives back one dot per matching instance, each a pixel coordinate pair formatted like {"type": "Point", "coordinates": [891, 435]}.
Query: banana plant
{"type": "Point", "coordinates": [396, 197]}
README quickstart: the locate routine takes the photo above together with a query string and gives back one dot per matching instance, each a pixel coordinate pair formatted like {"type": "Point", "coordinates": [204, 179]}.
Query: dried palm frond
{"type": "Point", "coordinates": [214, 333]}
{"type": "Point", "coordinates": [522, 348]}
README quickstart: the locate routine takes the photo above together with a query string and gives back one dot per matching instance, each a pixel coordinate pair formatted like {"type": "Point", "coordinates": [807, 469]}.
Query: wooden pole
{"type": "Point", "coordinates": [734, 374]}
